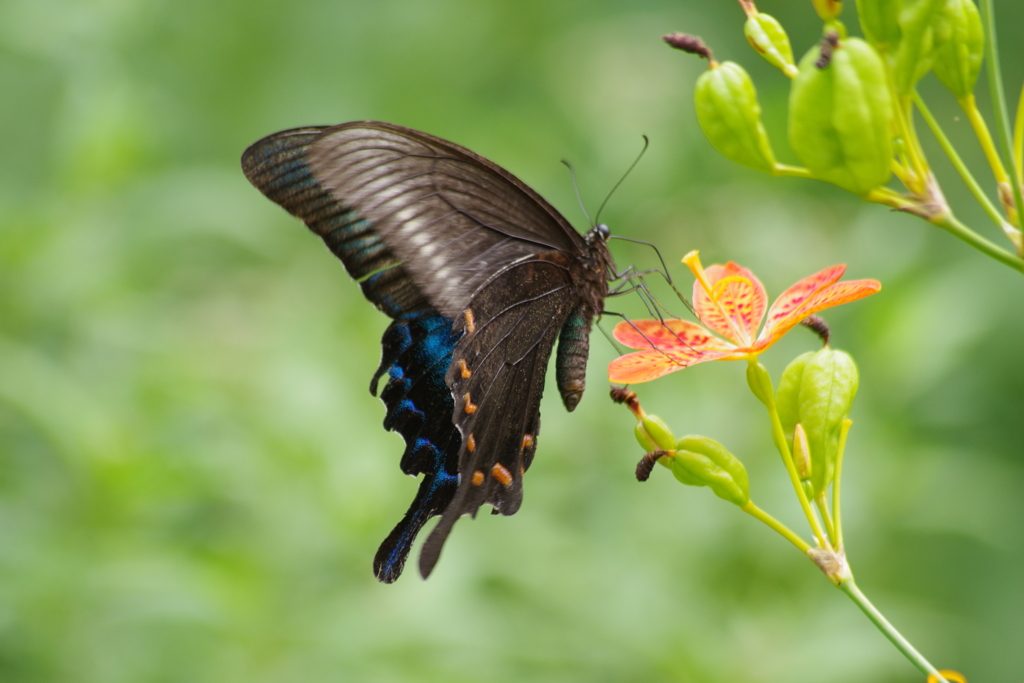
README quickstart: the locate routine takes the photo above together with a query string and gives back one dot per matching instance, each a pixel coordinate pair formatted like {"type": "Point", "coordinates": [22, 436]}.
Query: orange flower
{"type": "Point", "coordinates": [731, 302]}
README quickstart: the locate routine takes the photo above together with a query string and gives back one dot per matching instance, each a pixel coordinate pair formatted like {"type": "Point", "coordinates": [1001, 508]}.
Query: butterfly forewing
{"type": "Point", "coordinates": [452, 217]}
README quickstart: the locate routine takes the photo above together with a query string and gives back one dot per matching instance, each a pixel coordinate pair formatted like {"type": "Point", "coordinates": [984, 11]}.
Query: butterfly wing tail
{"type": "Point", "coordinates": [436, 491]}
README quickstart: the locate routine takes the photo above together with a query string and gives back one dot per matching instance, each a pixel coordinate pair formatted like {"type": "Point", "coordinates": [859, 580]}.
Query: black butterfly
{"type": "Point", "coordinates": [480, 275]}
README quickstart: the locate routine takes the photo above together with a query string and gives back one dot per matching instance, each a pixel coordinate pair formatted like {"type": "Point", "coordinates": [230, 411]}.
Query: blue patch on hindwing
{"type": "Point", "coordinates": [417, 350]}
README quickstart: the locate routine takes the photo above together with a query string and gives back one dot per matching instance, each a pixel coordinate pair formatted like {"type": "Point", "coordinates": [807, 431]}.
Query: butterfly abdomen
{"type": "Point", "coordinates": [571, 361]}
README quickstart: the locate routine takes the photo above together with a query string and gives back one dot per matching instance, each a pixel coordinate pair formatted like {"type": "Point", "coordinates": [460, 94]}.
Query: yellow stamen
{"type": "Point", "coordinates": [692, 261]}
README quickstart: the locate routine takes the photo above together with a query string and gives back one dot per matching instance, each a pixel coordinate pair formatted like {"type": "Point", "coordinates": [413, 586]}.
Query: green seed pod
{"type": "Point", "coordinates": [730, 116]}
{"type": "Point", "coordinates": [787, 397]}
{"type": "Point", "coordinates": [658, 432]}
{"type": "Point", "coordinates": [915, 53]}
{"type": "Point", "coordinates": [880, 21]}
{"type": "Point", "coordinates": [840, 116]}
{"type": "Point", "coordinates": [766, 35]}
{"type": "Point", "coordinates": [828, 9]}
{"type": "Point", "coordinates": [827, 389]}
{"type": "Point", "coordinates": [644, 439]}
{"type": "Point", "coordinates": [959, 44]}
{"type": "Point", "coordinates": [760, 382]}
{"type": "Point", "coordinates": [700, 461]}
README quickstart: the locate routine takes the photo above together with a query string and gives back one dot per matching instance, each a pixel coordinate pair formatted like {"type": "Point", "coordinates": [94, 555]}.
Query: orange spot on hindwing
{"type": "Point", "coordinates": [501, 474]}
{"type": "Point", "coordinates": [470, 407]}
{"type": "Point", "coordinates": [470, 321]}
{"type": "Point", "coordinates": [470, 444]}
{"type": "Point", "coordinates": [527, 441]}
{"type": "Point", "coordinates": [464, 369]}
{"type": "Point", "coordinates": [478, 478]}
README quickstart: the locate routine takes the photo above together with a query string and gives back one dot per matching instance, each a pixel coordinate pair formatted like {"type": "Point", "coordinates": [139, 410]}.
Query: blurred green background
{"type": "Point", "coordinates": [193, 477]}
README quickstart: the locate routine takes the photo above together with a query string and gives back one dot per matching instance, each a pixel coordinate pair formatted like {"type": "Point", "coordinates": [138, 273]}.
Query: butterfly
{"type": "Point", "coordinates": [480, 276]}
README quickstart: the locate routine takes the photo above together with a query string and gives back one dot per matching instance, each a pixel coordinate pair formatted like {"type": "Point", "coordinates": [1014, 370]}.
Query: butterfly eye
{"type": "Point", "coordinates": [603, 231]}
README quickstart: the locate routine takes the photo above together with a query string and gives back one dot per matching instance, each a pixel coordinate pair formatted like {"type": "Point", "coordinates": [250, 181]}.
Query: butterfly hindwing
{"type": "Point", "coordinates": [497, 380]}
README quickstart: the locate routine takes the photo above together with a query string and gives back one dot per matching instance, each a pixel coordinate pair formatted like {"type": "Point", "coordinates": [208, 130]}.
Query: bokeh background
{"type": "Point", "coordinates": [193, 477]}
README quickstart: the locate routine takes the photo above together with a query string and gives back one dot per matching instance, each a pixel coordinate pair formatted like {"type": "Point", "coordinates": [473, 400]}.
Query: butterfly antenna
{"type": "Point", "coordinates": [576, 187]}
{"type": "Point", "coordinates": [639, 156]}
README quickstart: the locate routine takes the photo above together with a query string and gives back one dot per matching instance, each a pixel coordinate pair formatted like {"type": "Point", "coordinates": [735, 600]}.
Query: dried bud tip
{"type": "Point", "coordinates": [817, 324]}
{"type": "Point", "coordinates": [646, 464]}
{"type": "Point", "coordinates": [828, 45]}
{"type": "Point", "coordinates": [628, 397]}
{"type": "Point", "coordinates": [688, 43]}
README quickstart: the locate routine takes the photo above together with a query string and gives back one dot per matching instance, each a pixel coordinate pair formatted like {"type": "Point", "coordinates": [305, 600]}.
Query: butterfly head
{"type": "Point", "coordinates": [598, 234]}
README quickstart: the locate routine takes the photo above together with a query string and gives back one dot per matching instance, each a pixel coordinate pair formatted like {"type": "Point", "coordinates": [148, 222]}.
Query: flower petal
{"type": "Point", "coordinates": [738, 304]}
{"type": "Point", "coordinates": [793, 299]}
{"type": "Point", "coordinates": [673, 336]}
{"type": "Point", "coordinates": [838, 293]}
{"type": "Point", "coordinates": [643, 366]}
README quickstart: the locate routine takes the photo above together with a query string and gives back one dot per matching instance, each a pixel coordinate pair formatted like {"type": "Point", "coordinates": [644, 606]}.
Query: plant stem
{"type": "Point", "coordinates": [958, 163]}
{"type": "Point", "coordinates": [837, 519]}
{"type": "Point", "coordinates": [821, 501]}
{"type": "Point", "coordinates": [775, 524]}
{"type": "Point", "coordinates": [949, 223]}
{"type": "Point", "coordinates": [995, 84]}
{"type": "Point", "coordinates": [850, 588]}
{"type": "Point", "coordinates": [779, 437]}
{"type": "Point", "coordinates": [794, 171]}
{"type": "Point", "coordinates": [1018, 137]}
{"type": "Point", "coordinates": [915, 161]}
{"type": "Point", "coordinates": [970, 106]}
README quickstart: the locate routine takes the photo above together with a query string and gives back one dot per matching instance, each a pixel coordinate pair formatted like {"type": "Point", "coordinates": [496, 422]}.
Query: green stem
{"type": "Point", "coordinates": [970, 107]}
{"type": "Point", "coordinates": [949, 223]}
{"type": "Point", "coordinates": [822, 504]}
{"type": "Point", "coordinates": [794, 171]}
{"type": "Point", "coordinates": [779, 437]}
{"type": "Point", "coordinates": [836, 509]}
{"type": "Point", "coordinates": [958, 163]}
{"type": "Point", "coordinates": [850, 588]}
{"type": "Point", "coordinates": [995, 84]}
{"type": "Point", "coordinates": [1018, 137]}
{"type": "Point", "coordinates": [775, 524]}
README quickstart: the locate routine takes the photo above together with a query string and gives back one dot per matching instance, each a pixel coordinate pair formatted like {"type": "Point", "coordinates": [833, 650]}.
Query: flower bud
{"type": "Point", "coordinates": [700, 461]}
{"type": "Point", "coordinates": [840, 115]}
{"type": "Point", "coordinates": [828, 386]}
{"type": "Point", "coordinates": [914, 56]}
{"type": "Point", "coordinates": [730, 116]}
{"type": "Point", "coordinates": [801, 453]}
{"type": "Point", "coordinates": [959, 44]}
{"type": "Point", "coordinates": [828, 9]}
{"type": "Point", "coordinates": [766, 35]}
{"type": "Point", "coordinates": [880, 21]}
